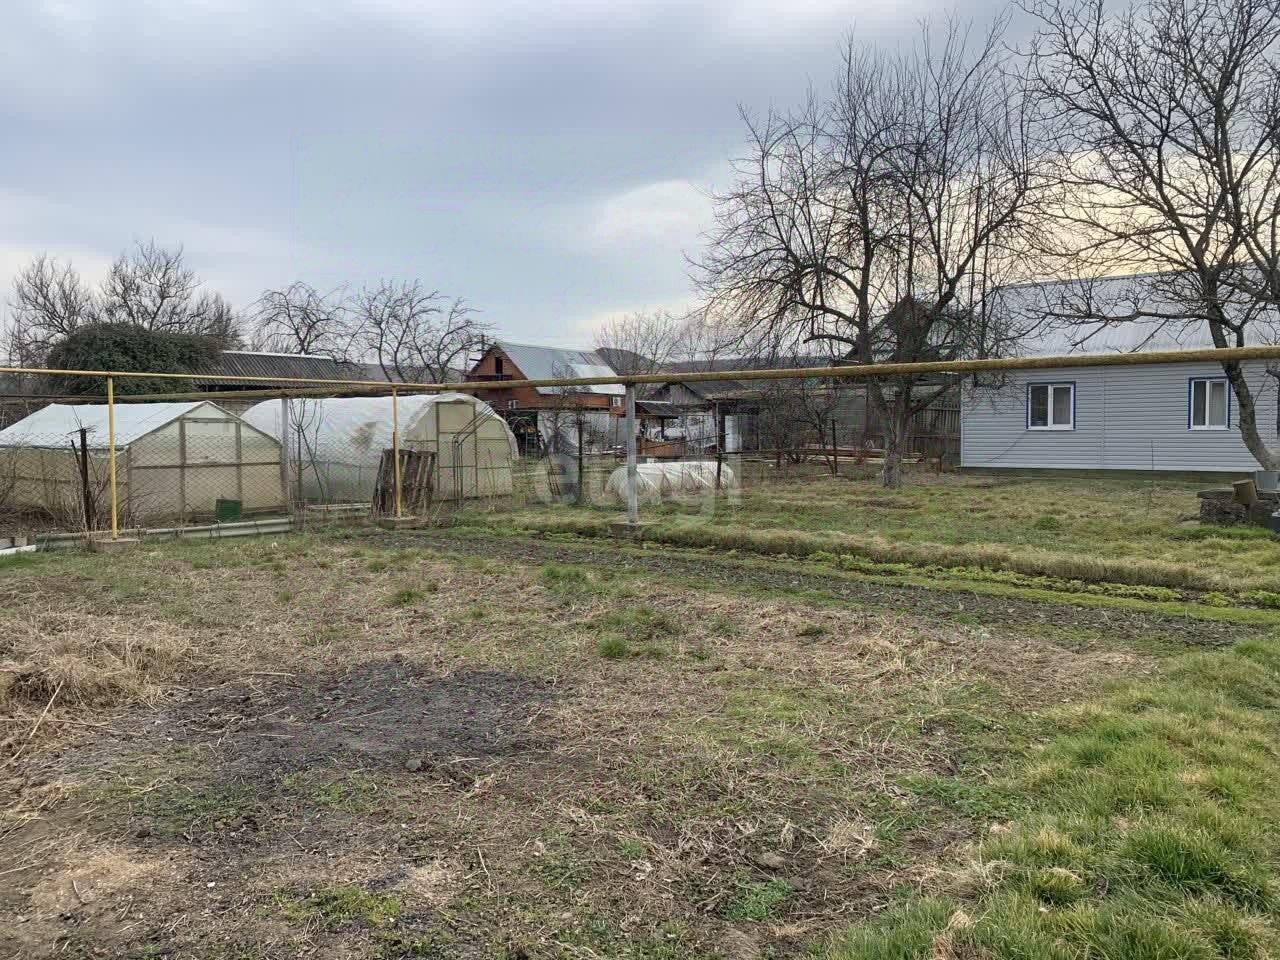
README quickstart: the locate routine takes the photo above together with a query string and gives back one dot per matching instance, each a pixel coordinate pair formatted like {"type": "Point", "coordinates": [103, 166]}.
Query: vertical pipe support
{"type": "Point", "coordinates": [111, 459]}
{"type": "Point", "coordinates": [633, 498]}
{"type": "Point", "coordinates": [395, 443]}
{"type": "Point", "coordinates": [284, 453]}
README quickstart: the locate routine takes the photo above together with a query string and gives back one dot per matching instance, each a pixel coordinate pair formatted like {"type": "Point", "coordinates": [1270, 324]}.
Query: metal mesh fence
{"type": "Point", "coordinates": [186, 460]}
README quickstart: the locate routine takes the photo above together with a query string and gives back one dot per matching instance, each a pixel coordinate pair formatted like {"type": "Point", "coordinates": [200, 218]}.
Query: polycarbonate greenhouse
{"type": "Point", "coordinates": [335, 446]}
{"type": "Point", "coordinates": [173, 460]}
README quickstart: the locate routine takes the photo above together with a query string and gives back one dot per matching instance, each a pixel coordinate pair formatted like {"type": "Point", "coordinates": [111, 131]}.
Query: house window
{"type": "Point", "coordinates": [513, 404]}
{"type": "Point", "coordinates": [497, 366]}
{"type": "Point", "coordinates": [1210, 404]}
{"type": "Point", "coordinates": [1051, 406]}
{"type": "Point", "coordinates": [615, 402]}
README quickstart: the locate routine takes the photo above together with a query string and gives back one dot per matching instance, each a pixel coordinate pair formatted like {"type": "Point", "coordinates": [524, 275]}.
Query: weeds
{"type": "Point", "coordinates": [407, 597]}
{"type": "Point", "coordinates": [758, 901]}
{"type": "Point", "coordinates": [335, 907]}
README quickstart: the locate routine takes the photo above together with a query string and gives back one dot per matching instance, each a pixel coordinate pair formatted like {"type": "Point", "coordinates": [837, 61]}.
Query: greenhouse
{"type": "Point", "coordinates": [336, 446]}
{"type": "Point", "coordinates": [173, 460]}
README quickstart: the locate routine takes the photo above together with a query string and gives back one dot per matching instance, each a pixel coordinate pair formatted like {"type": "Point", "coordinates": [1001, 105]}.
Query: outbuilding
{"type": "Point", "coordinates": [173, 461]}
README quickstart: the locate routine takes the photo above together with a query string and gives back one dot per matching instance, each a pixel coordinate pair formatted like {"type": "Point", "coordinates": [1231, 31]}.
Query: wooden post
{"type": "Point", "coordinates": [111, 458]}
{"type": "Point", "coordinates": [633, 495]}
{"type": "Point", "coordinates": [395, 443]}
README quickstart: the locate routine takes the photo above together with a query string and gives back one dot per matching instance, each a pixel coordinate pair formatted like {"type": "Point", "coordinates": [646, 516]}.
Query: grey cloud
{"type": "Point", "coordinates": [472, 145]}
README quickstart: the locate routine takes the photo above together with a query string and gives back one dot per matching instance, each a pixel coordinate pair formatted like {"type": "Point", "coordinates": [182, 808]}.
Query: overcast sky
{"type": "Point", "coordinates": [549, 161]}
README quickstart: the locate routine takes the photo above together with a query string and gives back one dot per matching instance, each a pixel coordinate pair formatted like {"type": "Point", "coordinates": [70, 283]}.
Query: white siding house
{"type": "Point", "coordinates": [1166, 417]}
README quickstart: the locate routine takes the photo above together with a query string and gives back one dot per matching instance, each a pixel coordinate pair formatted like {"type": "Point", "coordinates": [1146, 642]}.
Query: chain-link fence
{"type": "Point", "coordinates": [186, 459]}
{"type": "Point", "coordinates": [121, 453]}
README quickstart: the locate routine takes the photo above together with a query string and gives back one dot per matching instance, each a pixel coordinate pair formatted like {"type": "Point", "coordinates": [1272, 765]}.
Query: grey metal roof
{"type": "Point", "coordinates": [547, 363]}
{"type": "Point", "coordinates": [287, 366]}
{"type": "Point", "coordinates": [1039, 308]}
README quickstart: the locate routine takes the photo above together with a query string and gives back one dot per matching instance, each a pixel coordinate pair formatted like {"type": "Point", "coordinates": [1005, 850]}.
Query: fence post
{"type": "Point", "coordinates": [835, 450]}
{"type": "Point", "coordinates": [581, 453]}
{"type": "Point", "coordinates": [395, 443]}
{"type": "Point", "coordinates": [633, 499]}
{"type": "Point", "coordinates": [719, 415]}
{"type": "Point", "coordinates": [111, 458]}
{"type": "Point", "coordinates": [284, 454]}
{"type": "Point", "coordinates": [86, 491]}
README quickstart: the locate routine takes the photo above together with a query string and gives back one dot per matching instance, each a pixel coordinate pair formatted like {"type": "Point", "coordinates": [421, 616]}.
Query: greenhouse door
{"type": "Point", "coordinates": [210, 464]}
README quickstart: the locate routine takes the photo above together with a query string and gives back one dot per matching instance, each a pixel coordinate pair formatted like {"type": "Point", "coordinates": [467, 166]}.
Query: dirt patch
{"type": "Point", "coordinates": [377, 716]}
{"type": "Point", "coordinates": [259, 798]}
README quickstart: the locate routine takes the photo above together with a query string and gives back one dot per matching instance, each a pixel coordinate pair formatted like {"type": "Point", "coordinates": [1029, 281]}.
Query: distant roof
{"type": "Point", "coordinates": [286, 366]}
{"type": "Point", "coordinates": [790, 362]}
{"type": "Point", "coordinates": [1036, 305]}
{"type": "Point", "coordinates": [547, 363]}
{"type": "Point", "coordinates": [624, 360]}
{"type": "Point", "coordinates": [58, 423]}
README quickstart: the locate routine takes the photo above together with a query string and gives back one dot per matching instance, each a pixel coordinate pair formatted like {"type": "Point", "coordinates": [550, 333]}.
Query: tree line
{"type": "Point", "coordinates": [152, 312]}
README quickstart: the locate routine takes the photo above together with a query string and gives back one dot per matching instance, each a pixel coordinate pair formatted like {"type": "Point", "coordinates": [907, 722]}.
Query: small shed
{"type": "Point", "coordinates": [173, 460]}
{"type": "Point", "coordinates": [336, 445]}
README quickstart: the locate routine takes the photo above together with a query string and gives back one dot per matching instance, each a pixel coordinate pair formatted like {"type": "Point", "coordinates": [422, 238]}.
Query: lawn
{"type": "Point", "coordinates": [455, 743]}
{"type": "Point", "coordinates": [1136, 531]}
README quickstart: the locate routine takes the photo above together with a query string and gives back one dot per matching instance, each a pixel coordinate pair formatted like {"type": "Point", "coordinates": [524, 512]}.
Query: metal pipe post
{"type": "Point", "coordinates": [633, 498]}
{"type": "Point", "coordinates": [395, 443]}
{"type": "Point", "coordinates": [111, 458]}
{"type": "Point", "coordinates": [284, 451]}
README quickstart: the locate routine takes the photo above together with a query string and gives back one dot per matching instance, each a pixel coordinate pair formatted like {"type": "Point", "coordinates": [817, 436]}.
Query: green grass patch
{"type": "Point", "coordinates": [1148, 831]}
{"type": "Point", "coordinates": [340, 906]}
{"type": "Point", "coordinates": [758, 901]}
{"type": "Point", "coordinates": [407, 597]}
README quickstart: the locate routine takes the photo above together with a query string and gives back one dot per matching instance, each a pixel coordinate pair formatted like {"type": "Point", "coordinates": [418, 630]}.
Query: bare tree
{"type": "Point", "coordinates": [1170, 153]}
{"type": "Point", "coordinates": [416, 334]}
{"type": "Point", "coordinates": [153, 288]}
{"type": "Point", "coordinates": [300, 319]}
{"type": "Point", "coordinates": [642, 342]}
{"type": "Point", "coordinates": [49, 302]}
{"type": "Point", "coordinates": [878, 218]}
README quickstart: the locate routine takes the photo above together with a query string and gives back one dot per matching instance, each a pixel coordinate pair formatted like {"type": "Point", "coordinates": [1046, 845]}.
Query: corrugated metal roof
{"type": "Point", "coordinates": [57, 424]}
{"type": "Point", "coordinates": [1037, 306]}
{"type": "Point", "coordinates": [249, 363]}
{"type": "Point", "coordinates": [547, 363]}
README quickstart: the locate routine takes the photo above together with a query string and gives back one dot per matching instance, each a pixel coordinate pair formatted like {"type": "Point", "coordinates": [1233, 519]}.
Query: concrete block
{"type": "Point", "coordinates": [120, 545]}
{"type": "Point", "coordinates": [625, 530]}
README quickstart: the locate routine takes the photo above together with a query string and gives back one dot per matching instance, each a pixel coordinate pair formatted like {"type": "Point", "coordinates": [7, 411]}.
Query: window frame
{"type": "Point", "coordinates": [1050, 426]}
{"type": "Point", "coordinates": [1207, 427]}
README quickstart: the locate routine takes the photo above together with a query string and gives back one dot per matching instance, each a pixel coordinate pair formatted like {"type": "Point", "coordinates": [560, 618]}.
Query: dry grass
{"type": "Point", "coordinates": [1114, 530]}
{"type": "Point", "coordinates": [744, 770]}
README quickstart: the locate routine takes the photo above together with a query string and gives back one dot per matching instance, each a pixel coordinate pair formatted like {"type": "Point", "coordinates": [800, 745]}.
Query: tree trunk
{"type": "Point", "coordinates": [1248, 417]}
{"type": "Point", "coordinates": [897, 420]}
